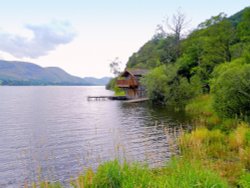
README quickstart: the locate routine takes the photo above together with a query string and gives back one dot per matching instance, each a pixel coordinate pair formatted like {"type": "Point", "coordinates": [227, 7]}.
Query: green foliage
{"type": "Point", "coordinates": [216, 41]}
{"type": "Point", "coordinates": [185, 174]}
{"type": "Point", "coordinates": [213, 20]}
{"type": "Point", "coordinates": [244, 181]}
{"type": "Point", "coordinates": [114, 175]}
{"type": "Point", "coordinates": [206, 48]}
{"type": "Point", "coordinates": [226, 153]}
{"type": "Point", "coordinates": [231, 89]}
{"type": "Point", "coordinates": [203, 114]}
{"type": "Point", "coordinates": [244, 26]}
{"type": "Point", "coordinates": [154, 53]}
{"type": "Point", "coordinates": [148, 56]}
{"type": "Point", "coordinates": [156, 82]}
{"type": "Point", "coordinates": [177, 173]}
{"type": "Point", "coordinates": [166, 87]}
{"type": "Point", "coordinates": [108, 175]}
{"type": "Point", "coordinates": [111, 84]}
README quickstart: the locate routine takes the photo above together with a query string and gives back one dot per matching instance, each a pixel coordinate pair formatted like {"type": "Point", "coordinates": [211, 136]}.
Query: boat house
{"type": "Point", "coordinates": [129, 81]}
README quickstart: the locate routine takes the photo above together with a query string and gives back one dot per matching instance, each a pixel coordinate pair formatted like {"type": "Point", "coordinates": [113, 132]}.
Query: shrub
{"type": "Point", "coordinates": [166, 87]}
{"type": "Point", "coordinates": [231, 89]}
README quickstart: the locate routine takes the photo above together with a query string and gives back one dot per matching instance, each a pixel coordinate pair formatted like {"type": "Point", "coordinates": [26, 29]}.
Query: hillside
{"type": "Point", "coordinates": [213, 59]}
{"type": "Point", "coordinates": [97, 81]}
{"type": "Point", "coordinates": [23, 73]}
{"type": "Point", "coordinates": [161, 50]}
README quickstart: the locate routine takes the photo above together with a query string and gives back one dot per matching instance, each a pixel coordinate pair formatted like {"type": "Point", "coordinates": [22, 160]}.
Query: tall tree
{"type": "Point", "coordinates": [176, 26]}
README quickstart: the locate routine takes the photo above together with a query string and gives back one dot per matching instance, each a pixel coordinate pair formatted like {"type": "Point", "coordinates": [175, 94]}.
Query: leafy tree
{"type": "Point", "coordinates": [166, 87]}
{"type": "Point", "coordinates": [212, 21]}
{"type": "Point", "coordinates": [231, 89]}
{"type": "Point", "coordinates": [148, 56]}
{"type": "Point", "coordinates": [244, 26]}
{"type": "Point", "coordinates": [206, 48]}
{"type": "Point", "coordinates": [156, 83]}
{"type": "Point", "coordinates": [169, 50]}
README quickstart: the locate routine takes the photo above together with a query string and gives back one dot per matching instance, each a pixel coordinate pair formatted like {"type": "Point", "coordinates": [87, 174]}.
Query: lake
{"type": "Point", "coordinates": [54, 133]}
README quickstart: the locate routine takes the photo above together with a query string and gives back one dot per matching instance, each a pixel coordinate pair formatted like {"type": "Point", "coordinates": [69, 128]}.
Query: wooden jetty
{"type": "Point", "coordinates": [120, 98]}
{"type": "Point", "coordinates": [101, 98]}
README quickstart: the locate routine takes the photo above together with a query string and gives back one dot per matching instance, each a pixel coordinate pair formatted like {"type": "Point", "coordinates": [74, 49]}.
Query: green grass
{"type": "Point", "coordinates": [177, 173]}
{"type": "Point", "coordinates": [203, 115]}
{"type": "Point", "coordinates": [244, 181]}
{"type": "Point", "coordinates": [227, 154]}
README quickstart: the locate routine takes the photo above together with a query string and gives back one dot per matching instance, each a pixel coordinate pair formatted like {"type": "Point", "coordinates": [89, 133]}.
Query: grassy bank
{"type": "Point", "coordinates": [222, 145]}
{"type": "Point", "coordinates": [177, 173]}
{"type": "Point", "coordinates": [216, 153]}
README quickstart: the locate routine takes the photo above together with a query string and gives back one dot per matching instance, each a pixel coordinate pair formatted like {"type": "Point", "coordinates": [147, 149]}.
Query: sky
{"type": "Point", "coordinates": [84, 36]}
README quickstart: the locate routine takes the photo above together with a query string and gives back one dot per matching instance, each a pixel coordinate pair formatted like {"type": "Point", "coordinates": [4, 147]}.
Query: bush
{"type": "Point", "coordinates": [166, 87]}
{"type": "Point", "coordinates": [231, 89]}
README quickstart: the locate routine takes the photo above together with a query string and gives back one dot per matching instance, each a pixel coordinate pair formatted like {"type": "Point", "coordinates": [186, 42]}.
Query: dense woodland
{"type": "Point", "coordinates": [212, 59]}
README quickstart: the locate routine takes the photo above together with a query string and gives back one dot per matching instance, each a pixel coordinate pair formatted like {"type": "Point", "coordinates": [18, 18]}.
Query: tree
{"type": "Point", "coordinates": [207, 47]}
{"type": "Point", "coordinates": [177, 24]}
{"type": "Point", "coordinates": [172, 32]}
{"type": "Point", "coordinates": [166, 87]}
{"type": "Point", "coordinates": [231, 89]}
{"type": "Point", "coordinates": [244, 26]}
{"type": "Point", "coordinates": [115, 66]}
{"type": "Point", "coordinates": [212, 21]}
{"type": "Point", "coordinates": [160, 33]}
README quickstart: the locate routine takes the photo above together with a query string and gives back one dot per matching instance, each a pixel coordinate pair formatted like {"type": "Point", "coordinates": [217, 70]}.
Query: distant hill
{"type": "Point", "coordinates": [23, 73]}
{"type": "Point", "coordinates": [97, 81]}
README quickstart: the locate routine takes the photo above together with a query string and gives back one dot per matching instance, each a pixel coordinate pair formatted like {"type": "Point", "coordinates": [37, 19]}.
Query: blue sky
{"type": "Point", "coordinates": [83, 37]}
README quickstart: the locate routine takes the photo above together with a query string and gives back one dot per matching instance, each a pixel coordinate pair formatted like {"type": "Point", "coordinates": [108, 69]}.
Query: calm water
{"type": "Point", "coordinates": [54, 133]}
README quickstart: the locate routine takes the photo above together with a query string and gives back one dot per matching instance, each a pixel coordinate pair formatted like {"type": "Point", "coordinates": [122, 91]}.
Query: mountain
{"type": "Point", "coordinates": [23, 73]}
{"type": "Point", "coordinates": [97, 81]}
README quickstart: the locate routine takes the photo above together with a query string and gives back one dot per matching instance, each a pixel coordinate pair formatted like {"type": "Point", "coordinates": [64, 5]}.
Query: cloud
{"type": "Point", "coordinates": [45, 39]}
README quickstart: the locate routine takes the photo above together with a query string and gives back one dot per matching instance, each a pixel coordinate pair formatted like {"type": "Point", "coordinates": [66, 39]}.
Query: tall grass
{"type": "Point", "coordinates": [203, 114]}
{"type": "Point", "coordinates": [227, 154]}
{"type": "Point", "coordinates": [177, 173]}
